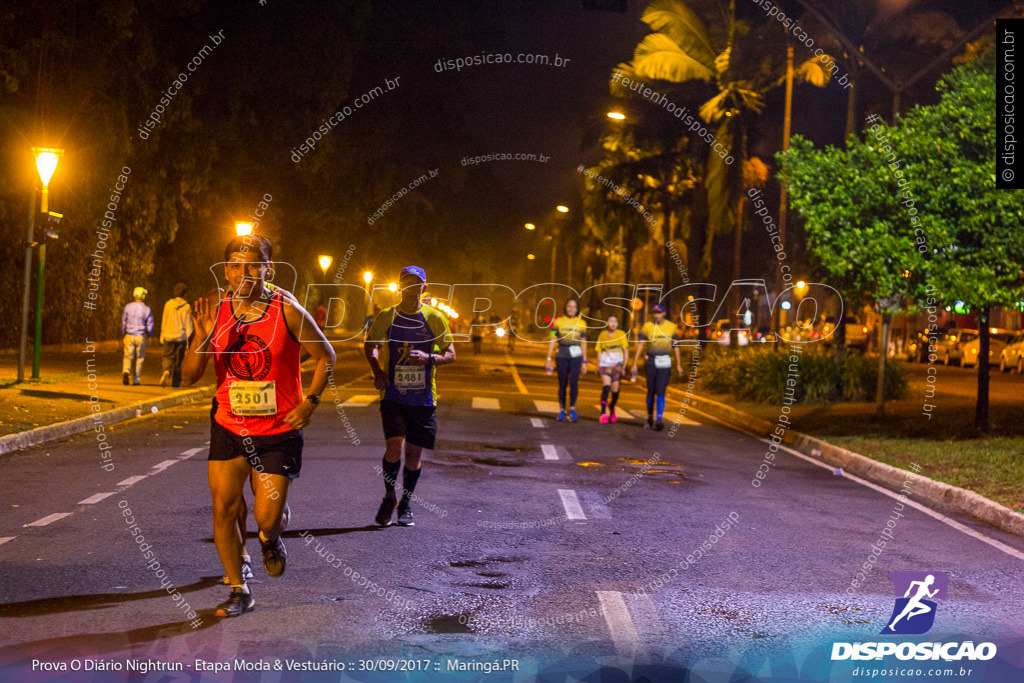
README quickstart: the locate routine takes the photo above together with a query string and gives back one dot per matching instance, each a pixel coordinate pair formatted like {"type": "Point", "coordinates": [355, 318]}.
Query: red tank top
{"type": "Point", "coordinates": [257, 366]}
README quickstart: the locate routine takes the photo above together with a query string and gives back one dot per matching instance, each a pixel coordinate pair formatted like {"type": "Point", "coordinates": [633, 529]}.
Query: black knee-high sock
{"type": "Point", "coordinates": [409, 479]}
{"type": "Point", "coordinates": [390, 475]}
{"type": "Point", "coordinates": [605, 390]}
{"type": "Point", "coordinates": [615, 399]}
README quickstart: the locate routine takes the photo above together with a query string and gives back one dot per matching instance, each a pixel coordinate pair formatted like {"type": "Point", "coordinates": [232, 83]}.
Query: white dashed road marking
{"type": "Point", "coordinates": [132, 480]}
{"type": "Point", "coordinates": [620, 624]}
{"type": "Point", "coordinates": [161, 466]}
{"type": "Point", "coordinates": [486, 403]}
{"type": "Point", "coordinates": [549, 450]}
{"type": "Point", "coordinates": [547, 406]}
{"type": "Point", "coordinates": [190, 452]}
{"type": "Point", "coordinates": [95, 498]}
{"type": "Point", "coordinates": [7, 538]}
{"type": "Point", "coordinates": [537, 422]}
{"type": "Point", "coordinates": [573, 509]}
{"type": "Point", "coordinates": [49, 519]}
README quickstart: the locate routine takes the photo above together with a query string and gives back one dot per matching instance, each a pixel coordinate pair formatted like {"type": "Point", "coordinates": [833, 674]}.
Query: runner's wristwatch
{"type": "Point", "coordinates": [314, 399]}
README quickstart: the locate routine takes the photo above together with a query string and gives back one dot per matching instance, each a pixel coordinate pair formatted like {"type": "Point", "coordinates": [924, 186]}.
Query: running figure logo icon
{"type": "Point", "coordinates": [914, 613]}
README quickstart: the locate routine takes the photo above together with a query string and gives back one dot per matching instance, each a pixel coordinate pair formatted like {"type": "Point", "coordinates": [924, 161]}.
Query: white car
{"type": "Point", "coordinates": [1013, 355]}
{"type": "Point", "coordinates": [997, 341]}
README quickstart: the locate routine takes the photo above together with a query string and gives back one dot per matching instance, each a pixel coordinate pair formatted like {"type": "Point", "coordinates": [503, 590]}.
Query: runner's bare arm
{"type": "Point", "coordinates": [300, 323]}
{"type": "Point", "coordinates": [197, 353]}
{"type": "Point", "coordinates": [380, 378]}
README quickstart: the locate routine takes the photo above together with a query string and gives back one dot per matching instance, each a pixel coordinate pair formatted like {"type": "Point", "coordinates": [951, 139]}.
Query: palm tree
{"type": "Point", "coordinates": [680, 50]}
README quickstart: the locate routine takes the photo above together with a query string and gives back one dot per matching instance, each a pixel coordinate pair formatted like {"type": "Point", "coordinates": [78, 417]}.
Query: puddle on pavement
{"type": "Point", "coordinates": [458, 623]}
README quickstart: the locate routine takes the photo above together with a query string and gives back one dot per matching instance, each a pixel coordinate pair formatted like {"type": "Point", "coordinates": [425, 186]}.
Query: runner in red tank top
{"type": "Point", "coordinates": [258, 411]}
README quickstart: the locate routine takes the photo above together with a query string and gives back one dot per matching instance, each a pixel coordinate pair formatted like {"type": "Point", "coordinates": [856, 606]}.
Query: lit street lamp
{"type": "Point", "coordinates": [617, 116]}
{"type": "Point", "coordinates": [242, 229]}
{"type": "Point", "coordinates": [325, 263]}
{"type": "Point", "coordinates": [46, 164]}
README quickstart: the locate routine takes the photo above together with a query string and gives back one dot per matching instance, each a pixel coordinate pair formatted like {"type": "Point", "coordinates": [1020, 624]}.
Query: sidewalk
{"type": "Point", "coordinates": [58, 404]}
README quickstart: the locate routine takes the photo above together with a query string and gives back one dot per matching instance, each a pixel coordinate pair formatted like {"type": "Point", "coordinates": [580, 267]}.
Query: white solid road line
{"type": "Point", "coordinates": [130, 481]}
{"type": "Point", "coordinates": [161, 466]}
{"type": "Point", "coordinates": [998, 545]}
{"type": "Point", "coordinates": [360, 401]}
{"type": "Point", "coordinates": [549, 450]}
{"type": "Point", "coordinates": [546, 406]}
{"type": "Point", "coordinates": [95, 498]}
{"type": "Point", "coordinates": [537, 422]}
{"type": "Point", "coordinates": [620, 624]}
{"type": "Point", "coordinates": [573, 509]}
{"type": "Point", "coordinates": [482, 403]}
{"type": "Point", "coordinates": [49, 519]}
{"type": "Point", "coordinates": [515, 375]}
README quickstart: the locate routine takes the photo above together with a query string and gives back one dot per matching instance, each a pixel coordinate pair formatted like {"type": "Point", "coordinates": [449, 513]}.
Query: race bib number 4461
{"type": "Point", "coordinates": [253, 398]}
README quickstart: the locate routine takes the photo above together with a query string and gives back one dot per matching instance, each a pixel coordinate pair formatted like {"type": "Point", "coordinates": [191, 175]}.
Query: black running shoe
{"type": "Point", "coordinates": [387, 506]}
{"type": "Point", "coordinates": [659, 425]}
{"type": "Point", "coordinates": [247, 574]}
{"type": "Point", "coordinates": [275, 557]}
{"type": "Point", "coordinates": [124, 378]}
{"type": "Point", "coordinates": [405, 516]}
{"type": "Point", "coordinates": [238, 604]}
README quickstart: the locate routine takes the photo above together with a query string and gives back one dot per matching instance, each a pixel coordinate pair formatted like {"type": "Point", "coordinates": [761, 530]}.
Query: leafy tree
{"type": "Point", "coordinates": [969, 247]}
{"type": "Point", "coordinates": [743, 63]}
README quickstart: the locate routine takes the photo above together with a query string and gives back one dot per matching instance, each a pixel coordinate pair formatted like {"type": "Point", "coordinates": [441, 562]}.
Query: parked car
{"type": "Point", "coordinates": [950, 348]}
{"type": "Point", "coordinates": [856, 332]}
{"type": "Point", "coordinates": [723, 332]}
{"type": "Point", "coordinates": [997, 341]}
{"type": "Point", "coordinates": [1013, 355]}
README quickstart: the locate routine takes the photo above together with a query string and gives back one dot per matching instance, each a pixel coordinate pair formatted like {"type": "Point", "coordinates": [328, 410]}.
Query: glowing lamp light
{"type": "Point", "coordinates": [530, 257]}
{"type": "Point", "coordinates": [562, 208]}
{"type": "Point", "coordinates": [46, 163]}
{"type": "Point", "coordinates": [433, 302]}
{"type": "Point", "coordinates": [325, 262]}
{"type": "Point", "coordinates": [786, 305]}
{"type": "Point", "coordinates": [530, 226]}
{"type": "Point", "coordinates": [618, 116]}
{"type": "Point", "coordinates": [500, 332]}
{"type": "Point", "coordinates": [801, 284]}
{"type": "Point", "coordinates": [243, 229]}
{"type": "Point", "coordinates": [393, 287]}
{"type": "Point", "coordinates": [367, 276]}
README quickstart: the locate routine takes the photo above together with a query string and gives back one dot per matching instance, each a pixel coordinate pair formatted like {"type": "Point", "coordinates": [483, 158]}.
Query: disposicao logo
{"type": "Point", "coordinates": [914, 614]}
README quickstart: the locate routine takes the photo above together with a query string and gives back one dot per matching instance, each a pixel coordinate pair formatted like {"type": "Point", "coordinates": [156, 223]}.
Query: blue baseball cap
{"type": "Point", "coordinates": [416, 271]}
{"type": "Point", "coordinates": [657, 308]}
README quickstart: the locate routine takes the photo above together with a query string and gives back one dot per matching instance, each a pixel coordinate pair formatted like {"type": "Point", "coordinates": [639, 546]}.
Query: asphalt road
{"type": "Point", "coordinates": [535, 540]}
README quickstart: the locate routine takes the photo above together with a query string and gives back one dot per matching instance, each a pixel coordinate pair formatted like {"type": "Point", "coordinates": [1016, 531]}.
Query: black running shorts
{"type": "Point", "coordinates": [274, 454]}
{"type": "Point", "coordinates": [418, 424]}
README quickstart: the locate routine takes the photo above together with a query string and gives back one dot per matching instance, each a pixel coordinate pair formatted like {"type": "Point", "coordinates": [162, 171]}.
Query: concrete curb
{"type": "Point", "coordinates": [62, 430]}
{"type": "Point", "coordinates": [928, 491]}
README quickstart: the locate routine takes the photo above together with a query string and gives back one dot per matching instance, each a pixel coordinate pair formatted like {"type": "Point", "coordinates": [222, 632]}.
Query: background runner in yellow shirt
{"type": "Point", "coordinates": [568, 332]}
{"type": "Point", "coordinates": [612, 353]}
{"type": "Point", "coordinates": [656, 337]}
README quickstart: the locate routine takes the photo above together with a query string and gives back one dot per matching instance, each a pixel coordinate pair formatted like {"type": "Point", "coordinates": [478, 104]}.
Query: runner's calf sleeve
{"type": "Point", "coordinates": [390, 474]}
{"type": "Point", "coordinates": [615, 399]}
{"type": "Point", "coordinates": [605, 390]}
{"type": "Point", "coordinates": [661, 406]}
{"type": "Point", "coordinates": [409, 479]}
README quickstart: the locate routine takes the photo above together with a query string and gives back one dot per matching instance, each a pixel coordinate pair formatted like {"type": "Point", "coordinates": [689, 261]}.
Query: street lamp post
{"type": "Point", "coordinates": [325, 263]}
{"type": "Point", "coordinates": [46, 164]}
